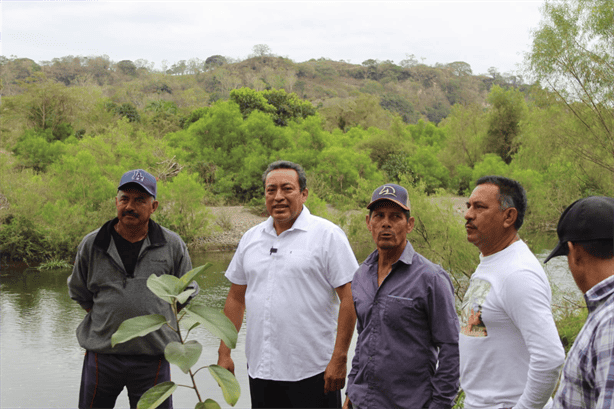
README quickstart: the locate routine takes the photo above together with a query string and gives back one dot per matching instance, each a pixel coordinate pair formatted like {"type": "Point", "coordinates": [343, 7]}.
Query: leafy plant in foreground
{"type": "Point", "coordinates": [184, 354]}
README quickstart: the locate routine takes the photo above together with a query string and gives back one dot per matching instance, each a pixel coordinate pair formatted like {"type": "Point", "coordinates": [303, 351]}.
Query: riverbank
{"type": "Point", "coordinates": [231, 222]}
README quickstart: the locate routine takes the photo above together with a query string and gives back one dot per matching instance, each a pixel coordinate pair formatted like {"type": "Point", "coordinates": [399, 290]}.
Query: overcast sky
{"type": "Point", "coordinates": [483, 33]}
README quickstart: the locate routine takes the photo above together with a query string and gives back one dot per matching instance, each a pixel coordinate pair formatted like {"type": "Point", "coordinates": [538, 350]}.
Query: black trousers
{"type": "Point", "coordinates": [105, 375]}
{"type": "Point", "coordinates": [306, 393]}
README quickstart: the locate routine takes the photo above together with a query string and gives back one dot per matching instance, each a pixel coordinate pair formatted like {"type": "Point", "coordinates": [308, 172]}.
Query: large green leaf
{"type": "Point", "coordinates": [156, 395]}
{"type": "Point", "coordinates": [228, 383]}
{"type": "Point", "coordinates": [216, 322]}
{"type": "Point", "coordinates": [208, 404]}
{"type": "Point", "coordinates": [164, 286]}
{"type": "Point", "coordinates": [137, 327]}
{"type": "Point", "coordinates": [189, 322]}
{"type": "Point", "coordinates": [183, 297]}
{"type": "Point", "coordinates": [183, 355]}
{"type": "Point", "coordinates": [188, 277]}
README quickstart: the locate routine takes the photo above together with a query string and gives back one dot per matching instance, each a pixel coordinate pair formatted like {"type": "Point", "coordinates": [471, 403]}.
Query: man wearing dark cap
{"type": "Point", "coordinates": [407, 349]}
{"type": "Point", "coordinates": [586, 237]}
{"type": "Point", "coordinates": [109, 280]}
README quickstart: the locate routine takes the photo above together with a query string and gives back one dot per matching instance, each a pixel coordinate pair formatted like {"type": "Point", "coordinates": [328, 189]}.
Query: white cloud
{"type": "Point", "coordinates": [481, 33]}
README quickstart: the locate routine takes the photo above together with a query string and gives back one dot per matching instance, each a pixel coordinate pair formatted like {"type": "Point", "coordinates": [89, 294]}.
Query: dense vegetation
{"type": "Point", "coordinates": [207, 129]}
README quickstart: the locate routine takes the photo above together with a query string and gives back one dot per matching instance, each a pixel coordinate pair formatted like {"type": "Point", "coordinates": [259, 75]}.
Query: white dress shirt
{"type": "Point", "coordinates": [291, 303]}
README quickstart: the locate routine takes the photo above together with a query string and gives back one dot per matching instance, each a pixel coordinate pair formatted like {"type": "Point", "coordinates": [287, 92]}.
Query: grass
{"type": "Point", "coordinates": [54, 264]}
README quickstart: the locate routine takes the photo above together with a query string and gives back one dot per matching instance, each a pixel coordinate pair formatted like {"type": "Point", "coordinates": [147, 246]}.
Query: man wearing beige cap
{"type": "Point", "coordinates": [407, 349]}
{"type": "Point", "coordinates": [586, 237]}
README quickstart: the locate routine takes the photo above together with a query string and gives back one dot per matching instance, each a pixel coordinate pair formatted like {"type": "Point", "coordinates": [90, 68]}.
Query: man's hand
{"type": "Point", "coordinates": [225, 361]}
{"type": "Point", "coordinates": [334, 375]}
{"type": "Point", "coordinates": [347, 404]}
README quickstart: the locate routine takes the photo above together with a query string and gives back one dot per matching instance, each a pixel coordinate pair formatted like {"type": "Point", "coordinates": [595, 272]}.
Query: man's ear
{"type": "Point", "coordinates": [304, 195]}
{"type": "Point", "coordinates": [155, 205]}
{"type": "Point", "coordinates": [509, 216]}
{"type": "Point", "coordinates": [574, 255]}
{"type": "Point", "coordinates": [367, 219]}
{"type": "Point", "coordinates": [410, 224]}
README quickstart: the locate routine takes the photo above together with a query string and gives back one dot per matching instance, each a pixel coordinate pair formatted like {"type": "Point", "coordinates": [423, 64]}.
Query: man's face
{"type": "Point", "coordinates": [485, 220]}
{"type": "Point", "coordinates": [283, 197]}
{"type": "Point", "coordinates": [134, 207]}
{"type": "Point", "coordinates": [389, 226]}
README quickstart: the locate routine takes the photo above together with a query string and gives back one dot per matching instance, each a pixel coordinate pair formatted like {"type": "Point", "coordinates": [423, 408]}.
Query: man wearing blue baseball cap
{"type": "Point", "coordinates": [407, 349]}
{"type": "Point", "coordinates": [586, 237]}
{"type": "Point", "coordinates": [109, 280]}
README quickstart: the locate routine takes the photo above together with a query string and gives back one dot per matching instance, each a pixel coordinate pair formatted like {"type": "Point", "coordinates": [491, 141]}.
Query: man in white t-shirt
{"type": "Point", "coordinates": [510, 351]}
{"type": "Point", "coordinates": [292, 274]}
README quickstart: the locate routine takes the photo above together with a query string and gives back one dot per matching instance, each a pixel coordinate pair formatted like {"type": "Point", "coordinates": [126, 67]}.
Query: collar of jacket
{"type": "Point", "coordinates": [103, 238]}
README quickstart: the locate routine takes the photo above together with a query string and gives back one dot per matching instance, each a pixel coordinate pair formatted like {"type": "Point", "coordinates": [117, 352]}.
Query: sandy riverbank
{"type": "Point", "coordinates": [233, 221]}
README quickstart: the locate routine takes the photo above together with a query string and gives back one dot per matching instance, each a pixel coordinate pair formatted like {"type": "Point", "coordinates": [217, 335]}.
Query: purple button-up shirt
{"type": "Point", "coordinates": [407, 350]}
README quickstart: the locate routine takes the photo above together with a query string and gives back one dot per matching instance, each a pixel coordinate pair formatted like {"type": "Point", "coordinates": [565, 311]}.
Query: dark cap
{"type": "Point", "coordinates": [591, 218]}
{"type": "Point", "coordinates": [141, 178]}
{"type": "Point", "coordinates": [392, 192]}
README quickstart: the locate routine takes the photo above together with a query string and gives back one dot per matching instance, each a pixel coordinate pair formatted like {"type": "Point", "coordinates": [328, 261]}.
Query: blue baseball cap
{"type": "Point", "coordinates": [392, 192]}
{"type": "Point", "coordinates": [141, 178]}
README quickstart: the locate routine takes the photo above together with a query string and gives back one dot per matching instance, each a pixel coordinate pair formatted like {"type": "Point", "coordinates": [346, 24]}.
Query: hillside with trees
{"type": "Point", "coordinates": [207, 129]}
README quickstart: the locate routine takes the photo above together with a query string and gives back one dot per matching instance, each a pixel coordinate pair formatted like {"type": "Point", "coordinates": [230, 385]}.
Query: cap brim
{"type": "Point", "coordinates": [120, 187]}
{"type": "Point", "coordinates": [390, 200]}
{"type": "Point", "coordinates": [559, 250]}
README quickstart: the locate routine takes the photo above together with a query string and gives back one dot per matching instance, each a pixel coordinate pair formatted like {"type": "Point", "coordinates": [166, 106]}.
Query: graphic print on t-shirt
{"type": "Point", "coordinates": [471, 309]}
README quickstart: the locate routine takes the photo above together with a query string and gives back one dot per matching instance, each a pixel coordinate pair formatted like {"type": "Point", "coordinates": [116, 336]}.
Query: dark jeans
{"type": "Point", "coordinates": [105, 375]}
{"type": "Point", "coordinates": [307, 393]}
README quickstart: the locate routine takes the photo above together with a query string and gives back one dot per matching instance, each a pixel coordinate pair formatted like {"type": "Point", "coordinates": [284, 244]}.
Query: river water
{"type": "Point", "coordinates": [40, 359]}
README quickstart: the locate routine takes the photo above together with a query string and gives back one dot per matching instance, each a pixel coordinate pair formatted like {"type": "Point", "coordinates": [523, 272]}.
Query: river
{"type": "Point", "coordinates": [40, 359]}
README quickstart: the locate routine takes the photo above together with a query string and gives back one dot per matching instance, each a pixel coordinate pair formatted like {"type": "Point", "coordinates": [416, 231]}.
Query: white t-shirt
{"type": "Point", "coordinates": [510, 351]}
{"type": "Point", "coordinates": [291, 303]}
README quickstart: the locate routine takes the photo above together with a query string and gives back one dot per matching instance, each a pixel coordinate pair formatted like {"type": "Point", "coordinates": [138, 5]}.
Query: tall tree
{"type": "Point", "coordinates": [508, 108]}
{"type": "Point", "coordinates": [573, 56]}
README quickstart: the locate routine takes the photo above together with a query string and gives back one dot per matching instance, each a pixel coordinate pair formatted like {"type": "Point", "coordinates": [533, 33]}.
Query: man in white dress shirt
{"type": "Point", "coordinates": [292, 273]}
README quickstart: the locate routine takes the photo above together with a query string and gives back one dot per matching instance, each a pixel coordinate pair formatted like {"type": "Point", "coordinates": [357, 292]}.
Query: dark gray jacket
{"type": "Point", "coordinates": [100, 282]}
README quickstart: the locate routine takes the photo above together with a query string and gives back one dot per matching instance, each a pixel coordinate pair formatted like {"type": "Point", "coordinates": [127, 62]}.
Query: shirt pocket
{"type": "Point", "coordinates": [399, 312]}
{"type": "Point", "coordinates": [297, 264]}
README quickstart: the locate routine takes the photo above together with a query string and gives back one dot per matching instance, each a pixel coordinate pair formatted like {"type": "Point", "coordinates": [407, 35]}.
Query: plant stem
{"type": "Point", "coordinates": [195, 388]}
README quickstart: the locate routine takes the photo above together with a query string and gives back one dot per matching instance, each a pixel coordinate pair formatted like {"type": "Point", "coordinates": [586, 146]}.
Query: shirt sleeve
{"type": "Point", "coordinates": [603, 383]}
{"type": "Point", "coordinates": [77, 281]}
{"type": "Point", "coordinates": [445, 332]}
{"type": "Point", "coordinates": [235, 272]}
{"type": "Point", "coordinates": [341, 262]}
{"type": "Point", "coordinates": [355, 359]}
{"type": "Point", "coordinates": [526, 299]}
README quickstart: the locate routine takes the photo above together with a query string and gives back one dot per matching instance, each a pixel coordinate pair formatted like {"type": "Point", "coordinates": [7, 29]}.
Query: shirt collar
{"type": "Point", "coordinates": [599, 292]}
{"type": "Point", "coordinates": [301, 222]}
{"type": "Point", "coordinates": [103, 238]}
{"type": "Point", "coordinates": [406, 257]}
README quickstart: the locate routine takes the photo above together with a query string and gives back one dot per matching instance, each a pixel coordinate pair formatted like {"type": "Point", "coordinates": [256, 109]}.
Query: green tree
{"type": "Point", "coordinates": [572, 55]}
{"type": "Point", "coordinates": [126, 67]}
{"type": "Point", "coordinates": [38, 149]}
{"type": "Point", "coordinates": [466, 128]}
{"type": "Point", "coordinates": [277, 103]}
{"type": "Point", "coordinates": [508, 109]}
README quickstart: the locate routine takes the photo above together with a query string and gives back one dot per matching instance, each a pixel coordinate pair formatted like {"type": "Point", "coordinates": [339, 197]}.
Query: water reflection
{"type": "Point", "coordinates": [41, 359]}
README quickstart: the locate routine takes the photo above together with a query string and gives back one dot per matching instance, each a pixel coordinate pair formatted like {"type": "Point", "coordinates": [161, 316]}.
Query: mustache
{"type": "Point", "coordinates": [130, 213]}
{"type": "Point", "coordinates": [469, 225]}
